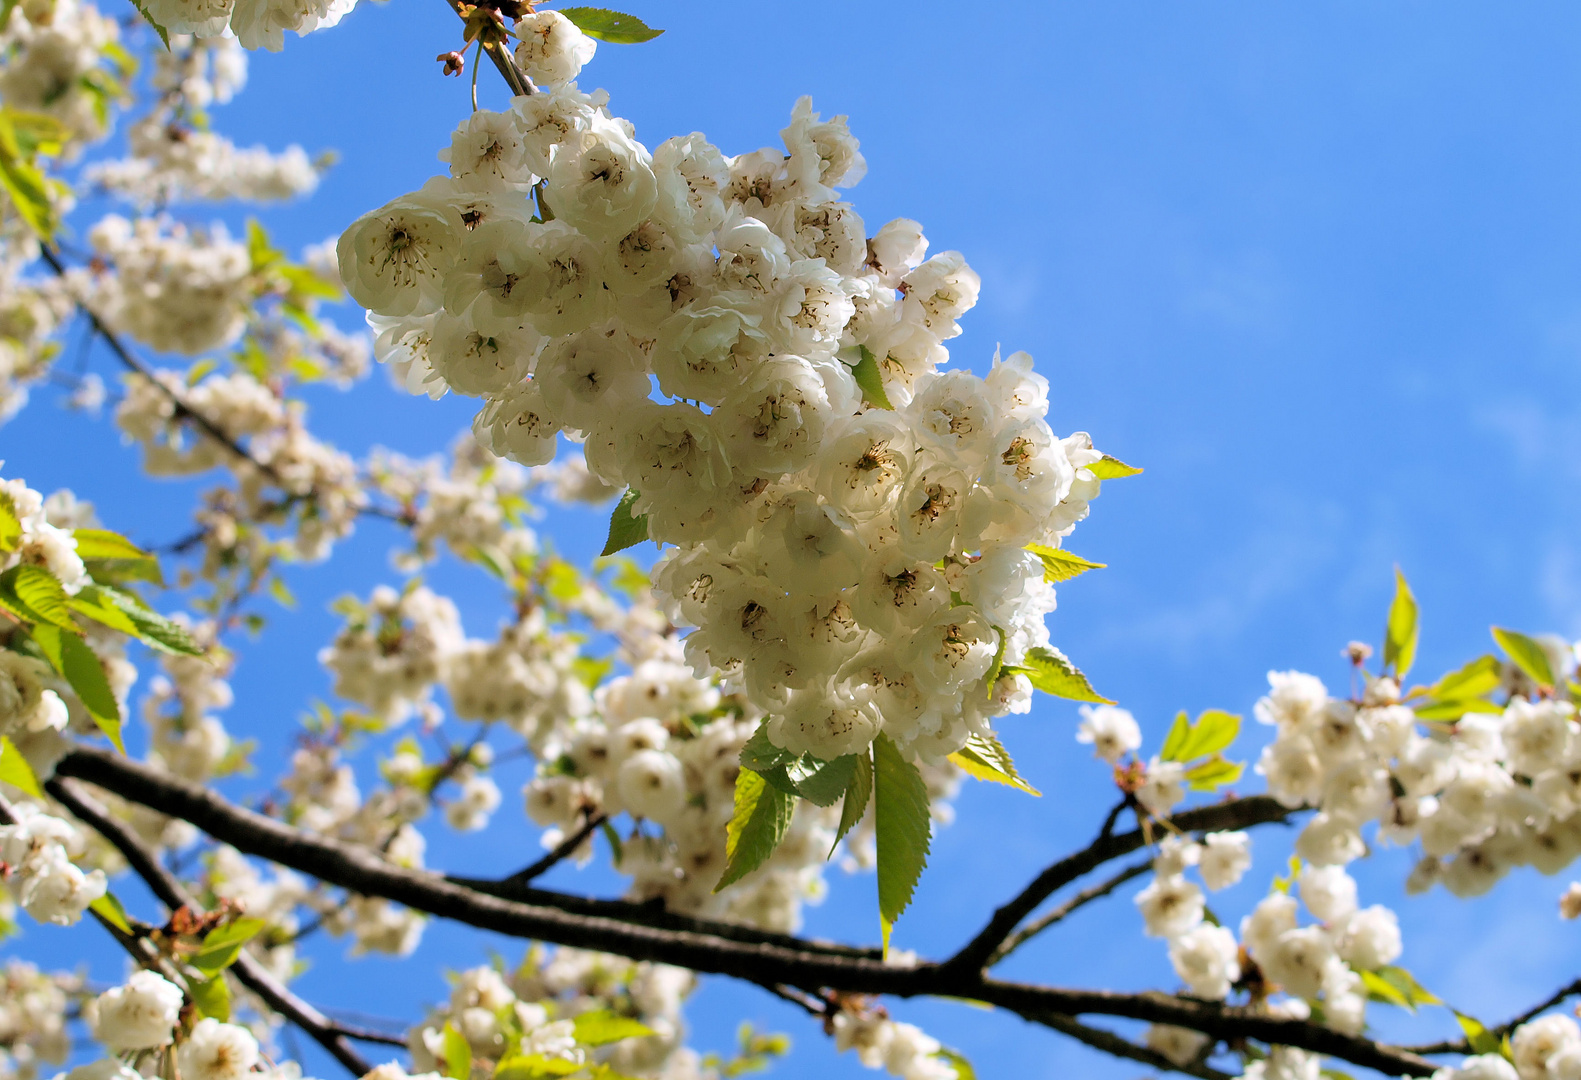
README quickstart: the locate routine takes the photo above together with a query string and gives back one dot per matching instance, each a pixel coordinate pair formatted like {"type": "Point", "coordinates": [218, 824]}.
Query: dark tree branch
{"type": "Point", "coordinates": [1086, 896]}
{"type": "Point", "coordinates": [1110, 1043]}
{"type": "Point", "coordinates": [132, 363]}
{"type": "Point", "coordinates": [765, 958]}
{"type": "Point", "coordinates": [1235, 814]}
{"type": "Point", "coordinates": [561, 851]}
{"type": "Point", "coordinates": [173, 894]}
{"type": "Point", "coordinates": [1462, 1046]}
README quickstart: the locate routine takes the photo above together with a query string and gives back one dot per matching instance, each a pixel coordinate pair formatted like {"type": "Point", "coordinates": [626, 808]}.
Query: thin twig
{"type": "Point", "coordinates": [1463, 1046]}
{"type": "Point", "coordinates": [814, 1006]}
{"type": "Point", "coordinates": [1086, 896]}
{"type": "Point", "coordinates": [362, 1034]}
{"type": "Point", "coordinates": [132, 363]}
{"type": "Point", "coordinates": [561, 851]}
{"type": "Point", "coordinates": [1234, 814]}
{"type": "Point", "coordinates": [173, 895]}
{"type": "Point", "coordinates": [1110, 1043]}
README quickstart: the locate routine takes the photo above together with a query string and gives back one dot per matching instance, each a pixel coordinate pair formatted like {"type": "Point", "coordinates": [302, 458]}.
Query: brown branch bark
{"type": "Point", "coordinates": [1236, 814]}
{"type": "Point", "coordinates": [1462, 1046]}
{"type": "Point", "coordinates": [1086, 896]}
{"type": "Point", "coordinates": [248, 971]}
{"type": "Point", "coordinates": [764, 958]}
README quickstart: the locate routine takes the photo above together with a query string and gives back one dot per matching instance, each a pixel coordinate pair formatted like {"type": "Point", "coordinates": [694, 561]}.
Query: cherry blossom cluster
{"type": "Point", "coordinates": [699, 322]}
{"type": "Point", "coordinates": [37, 855]}
{"type": "Point", "coordinates": [33, 1018]}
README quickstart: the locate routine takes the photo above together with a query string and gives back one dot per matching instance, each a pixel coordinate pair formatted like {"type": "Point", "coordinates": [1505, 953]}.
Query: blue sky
{"type": "Point", "coordinates": [1315, 267]}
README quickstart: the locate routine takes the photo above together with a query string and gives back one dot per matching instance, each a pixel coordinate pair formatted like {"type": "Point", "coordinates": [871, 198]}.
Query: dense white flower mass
{"type": "Point", "coordinates": [46, 883]}
{"type": "Point", "coordinates": [726, 343]}
{"type": "Point", "coordinates": [140, 1015]}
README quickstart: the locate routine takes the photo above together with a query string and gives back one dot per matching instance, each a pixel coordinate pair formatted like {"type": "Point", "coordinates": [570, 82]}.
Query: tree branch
{"type": "Point", "coordinates": [173, 895]}
{"type": "Point", "coordinates": [1110, 1043]}
{"type": "Point", "coordinates": [561, 851]}
{"type": "Point", "coordinates": [1086, 896]}
{"type": "Point", "coordinates": [752, 956]}
{"type": "Point", "coordinates": [132, 363]}
{"type": "Point", "coordinates": [1234, 814]}
{"type": "Point", "coordinates": [1462, 1046]}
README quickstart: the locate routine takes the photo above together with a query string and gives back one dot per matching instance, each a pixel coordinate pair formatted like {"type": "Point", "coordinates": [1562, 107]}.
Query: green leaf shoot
{"type": "Point", "coordinates": [1050, 671]}
{"type": "Point", "coordinates": [603, 1026]}
{"type": "Point", "coordinates": [1213, 731]}
{"type": "Point", "coordinates": [15, 770]}
{"type": "Point", "coordinates": [985, 758]}
{"type": "Point", "coordinates": [81, 667]}
{"type": "Point", "coordinates": [1401, 632]}
{"type": "Point", "coordinates": [761, 818]}
{"type": "Point", "coordinates": [212, 997]}
{"type": "Point", "coordinates": [222, 945]}
{"type": "Point", "coordinates": [109, 908]}
{"type": "Point", "coordinates": [611, 26]}
{"type": "Point", "coordinates": [1112, 468]}
{"type": "Point", "coordinates": [904, 826]}
{"type": "Point", "coordinates": [870, 380]}
{"type": "Point", "coordinates": [625, 530]}
{"type": "Point", "coordinates": [1060, 565]}
{"type": "Point", "coordinates": [1527, 655]}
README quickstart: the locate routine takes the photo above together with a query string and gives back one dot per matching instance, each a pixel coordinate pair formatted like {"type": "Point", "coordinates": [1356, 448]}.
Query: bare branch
{"type": "Point", "coordinates": [1233, 814]}
{"type": "Point", "coordinates": [756, 957]}
{"type": "Point", "coordinates": [173, 894]}
{"type": "Point", "coordinates": [561, 851]}
{"type": "Point", "coordinates": [1110, 1043]}
{"type": "Point", "coordinates": [1462, 1046]}
{"type": "Point", "coordinates": [1086, 896]}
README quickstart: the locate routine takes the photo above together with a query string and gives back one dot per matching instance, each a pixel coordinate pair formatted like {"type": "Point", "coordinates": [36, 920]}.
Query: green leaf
{"type": "Point", "coordinates": [1479, 677]}
{"type": "Point", "coordinates": [90, 604]}
{"type": "Point", "coordinates": [282, 592]}
{"type": "Point", "coordinates": [212, 997]}
{"type": "Point", "coordinates": [222, 945]}
{"type": "Point", "coordinates": [1400, 635]}
{"type": "Point", "coordinates": [1060, 565]}
{"type": "Point", "coordinates": [998, 666]}
{"type": "Point", "coordinates": [821, 782]}
{"type": "Point", "coordinates": [625, 530]}
{"type": "Point", "coordinates": [870, 380]}
{"type": "Point", "coordinates": [613, 837]}
{"type": "Point", "coordinates": [900, 809]}
{"type": "Point", "coordinates": [10, 527]}
{"type": "Point", "coordinates": [1454, 710]}
{"type": "Point", "coordinates": [104, 544]}
{"type": "Point", "coordinates": [1050, 672]}
{"type": "Point", "coordinates": [1214, 730]}
{"type": "Point", "coordinates": [533, 1067]}
{"type": "Point", "coordinates": [1380, 989]}
{"type": "Point", "coordinates": [761, 818]}
{"type": "Point", "coordinates": [761, 755]}
{"type": "Point", "coordinates": [120, 571]}
{"type": "Point", "coordinates": [985, 758]}
{"type": "Point", "coordinates": [610, 26]}
{"type": "Point", "coordinates": [1481, 1039]}
{"type": "Point", "coordinates": [142, 10]}
{"type": "Point", "coordinates": [1112, 468]}
{"type": "Point", "coordinates": [456, 1053]}
{"type": "Point", "coordinates": [23, 181]}
{"type": "Point", "coordinates": [1527, 654]}
{"type": "Point", "coordinates": [151, 628]}
{"type": "Point", "coordinates": [857, 794]}
{"type": "Point", "coordinates": [110, 909]}
{"type": "Point", "coordinates": [80, 666]}
{"type": "Point", "coordinates": [15, 770]}
{"type": "Point", "coordinates": [1397, 986]}
{"type": "Point", "coordinates": [34, 594]}
{"type": "Point", "coordinates": [963, 1068]}
{"type": "Point", "coordinates": [1214, 773]}
{"type": "Point", "coordinates": [603, 1026]}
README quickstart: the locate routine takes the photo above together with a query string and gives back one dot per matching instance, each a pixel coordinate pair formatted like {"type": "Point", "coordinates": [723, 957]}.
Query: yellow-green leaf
{"type": "Point", "coordinates": [1214, 773]}
{"type": "Point", "coordinates": [603, 1026]}
{"type": "Point", "coordinates": [109, 908]}
{"type": "Point", "coordinates": [1400, 635]}
{"type": "Point", "coordinates": [15, 770]}
{"type": "Point", "coordinates": [1482, 1040]}
{"type": "Point", "coordinates": [625, 528]}
{"type": "Point", "coordinates": [904, 826]}
{"type": "Point", "coordinates": [211, 996]}
{"type": "Point", "coordinates": [104, 544]}
{"type": "Point", "coordinates": [1060, 565]}
{"type": "Point", "coordinates": [456, 1052]}
{"type": "Point", "coordinates": [1213, 731]}
{"type": "Point", "coordinates": [1479, 677]}
{"type": "Point", "coordinates": [34, 594]}
{"type": "Point", "coordinates": [870, 380]}
{"type": "Point", "coordinates": [762, 817]}
{"type": "Point", "coordinates": [857, 794]}
{"type": "Point", "coordinates": [1050, 672]}
{"type": "Point", "coordinates": [81, 667]}
{"type": "Point", "coordinates": [1112, 468]}
{"type": "Point", "coordinates": [10, 527]}
{"type": "Point", "coordinates": [222, 945]}
{"type": "Point", "coordinates": [611, 26]}
{"type": "Point", "coordinates": [985, 758]}
{"type": "Point", "coordinates": [1527, 654]}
